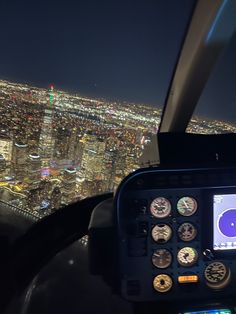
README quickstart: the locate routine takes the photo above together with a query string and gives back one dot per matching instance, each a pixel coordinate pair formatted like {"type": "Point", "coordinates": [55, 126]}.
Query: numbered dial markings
{"type": "Point", "coordinates": [187, 206]}
{"type": "Point", "coordinates": [161, 258]}
{"type": "Point", "coordinates": [162, 283]}
{"type": "Point", "coordinates": [161, 233]}
{"type": "Point", "coordinates": [160, 207]}
{"type": "Point", "coordinates": [187, 256]}
{"type": "Point", "coordinates": [217, 275]}
{"type": "Point", "coordinates": [187, 232]}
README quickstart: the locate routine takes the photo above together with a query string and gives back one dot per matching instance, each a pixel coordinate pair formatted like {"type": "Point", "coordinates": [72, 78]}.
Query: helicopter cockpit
{"type": "Point", "coordinates": [165, 240]}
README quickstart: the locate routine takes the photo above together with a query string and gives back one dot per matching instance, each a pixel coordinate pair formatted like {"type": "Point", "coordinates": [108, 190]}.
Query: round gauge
{"type": "Point", "coordinates": [161, 233]}
{"type": "Point", "coordinates": [217, 275]}
{"type": "Point", "coordinates": [187, 232]}
{"type": "Point", "coordinates": [187, 206]}
{"type": "Point", "coordinates": [162, 283]}
{"type": "Point", "coordinates": [160, 207]}
{"type": "Point", "coordinates": [161, 258]}
{"type": "Point", "coordinates": [187, 256]}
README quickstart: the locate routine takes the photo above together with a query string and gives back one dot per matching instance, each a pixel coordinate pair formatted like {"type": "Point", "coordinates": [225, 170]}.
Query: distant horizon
{"type": "Point", "coordinates": [61, 89]}
{"type": "Point", "coordinates": [104, 98]}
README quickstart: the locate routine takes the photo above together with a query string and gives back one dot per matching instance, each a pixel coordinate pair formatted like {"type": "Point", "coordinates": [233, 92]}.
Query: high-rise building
{"type": "Point", "coordinates": [33, 199]}
{"type": "Point", "coordinates": [79, 149]}
{"type": "Point", "coordinates": [46, 141]}
{"type": "Point", "coordinates": [89, 188]}
{"type": "Point", "coordinates": [19, 160]}
{"type": "Point", "coordinates": [108, 170]}
{"type": "Point", "coordinates": [55, 199]}
{"type": "Point", "coordinates": [6, 145]}
{"type": "Point", "coordinates": [45, 187]}
{"type": "Point", "coordinates": [2, 162]}
{"type": "Point", "coordinates": [68, 185]}
{"type": "Point", "coordinates": [62, 141]}
{"type": "Point", "coordinates": [93, 158]}
{"type": "Point", "coordinates": [2, 165]}
{"type": "Point", "coordinates": [34, 169]}
{"type": "Point", "coordinates": [72, 145]}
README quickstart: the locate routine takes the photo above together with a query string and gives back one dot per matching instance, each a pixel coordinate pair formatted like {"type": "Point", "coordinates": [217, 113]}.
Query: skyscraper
{"type": "Point", "coordinates": [46, 142]}
{"type": "Point", "coordinates": [2, 164]}
{"type": "Point", "coordinates": [55, 199]}
{"type": "Point", "coordinates": [68, 185]}
{"type": "Point", "coordinates": [92, 159]}
{"type": "Point", "coordinates": [62, 141]}
{"type": "Point", "coordinates": [19, 160]}
{"type": "Point", "coordinates": [6, 145]}
{"type": "Point", "coordinates": [34, 169]}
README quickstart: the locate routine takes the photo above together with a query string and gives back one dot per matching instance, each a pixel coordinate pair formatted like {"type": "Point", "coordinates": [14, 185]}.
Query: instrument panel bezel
{"type": "Point", "coordinates": [204, 183]}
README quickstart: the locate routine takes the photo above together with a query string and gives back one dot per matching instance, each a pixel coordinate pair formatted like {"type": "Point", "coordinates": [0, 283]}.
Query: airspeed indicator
{"type": "Point", "coordinates": [187, 206]}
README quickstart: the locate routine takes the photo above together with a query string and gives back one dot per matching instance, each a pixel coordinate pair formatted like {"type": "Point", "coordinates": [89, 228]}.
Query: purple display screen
{"type": "Point", "coordinates": [224, 222]}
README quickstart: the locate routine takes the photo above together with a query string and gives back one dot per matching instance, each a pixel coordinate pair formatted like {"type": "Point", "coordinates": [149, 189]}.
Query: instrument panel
{"type": "Point", "coordinates": [177, 238]}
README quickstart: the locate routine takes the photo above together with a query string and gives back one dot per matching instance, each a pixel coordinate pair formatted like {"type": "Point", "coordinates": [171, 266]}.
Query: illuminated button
{"type": "Point", "coordinates": [188, 279]}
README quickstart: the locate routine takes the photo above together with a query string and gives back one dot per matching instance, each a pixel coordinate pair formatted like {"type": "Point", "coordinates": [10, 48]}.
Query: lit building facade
{"type": "Point", "coordinates": [62, 141]}
{"type": "Point", "coordinates": [34, 169]}
{"type": "Point", "coordinates": [19, 160]}
{"type": "Point", "coordinates": [68, 185]}
{"type": "Point", "coordinates": [2, 166]}
{"type": "Point", "coordinates": [55, 199]}
{"type": "Point", "coordinates": [6, 145]}
{"type": "Point", "coordinates": [46, 141]}
{"type": "Point", "coordinates": [93, 158]}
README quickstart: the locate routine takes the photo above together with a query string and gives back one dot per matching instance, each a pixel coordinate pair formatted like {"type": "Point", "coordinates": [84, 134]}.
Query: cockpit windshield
{"type": "Point", "coordinates": [215, 112]}
{"type": "Point", "coordinates": [82, 86]}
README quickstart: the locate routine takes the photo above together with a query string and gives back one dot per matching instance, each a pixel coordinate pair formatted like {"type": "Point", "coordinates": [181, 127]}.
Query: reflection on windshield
{"type": "Point", "coordinates": [56, 147]}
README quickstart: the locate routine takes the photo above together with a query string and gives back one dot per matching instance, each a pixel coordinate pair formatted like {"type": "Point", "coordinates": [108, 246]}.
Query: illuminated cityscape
{"type": "Point", "coordinates": [57, 147]}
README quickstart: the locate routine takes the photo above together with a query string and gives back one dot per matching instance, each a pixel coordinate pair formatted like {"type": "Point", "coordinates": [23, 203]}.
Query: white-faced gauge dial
{"type": "Point", "coordinates": [187, 206]}
{"type": "Point", "coordinates": [187, 232]}
{"type": "Point", "coordinates": [161, 233]}
{"type": "Point", "coordinates": [162, 258]}
{"type": "Point", "coordinates": [162, 283]}
{"type": "Point", "coordinates": [187, 256]}
{"type": "Point", "coordinates": [160, 207]}
{"type": "Point", "coordinates": [217, 275]}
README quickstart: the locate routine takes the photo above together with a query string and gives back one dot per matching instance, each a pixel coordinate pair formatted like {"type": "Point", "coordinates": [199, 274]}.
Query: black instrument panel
{"type": "Point", "coordinates": [165, 225]}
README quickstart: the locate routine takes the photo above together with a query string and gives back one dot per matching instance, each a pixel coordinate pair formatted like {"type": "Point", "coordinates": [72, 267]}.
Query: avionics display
{"type": "Point", "coordinates": [223, 311]}
{"type": "Point", "coordinates": [224, 222]}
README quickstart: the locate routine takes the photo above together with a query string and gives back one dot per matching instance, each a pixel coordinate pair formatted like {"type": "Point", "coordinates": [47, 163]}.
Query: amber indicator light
{"type": "Point", "coordinates": [188, 279]}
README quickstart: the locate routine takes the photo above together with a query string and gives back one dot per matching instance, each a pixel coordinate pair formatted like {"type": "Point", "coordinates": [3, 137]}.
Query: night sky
{"type": "Point", "coordinates": [113, 49]}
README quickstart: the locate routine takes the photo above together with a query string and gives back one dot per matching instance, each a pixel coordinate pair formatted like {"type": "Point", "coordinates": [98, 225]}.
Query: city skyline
{"type": "Point", "coordinates": [57, 147]}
